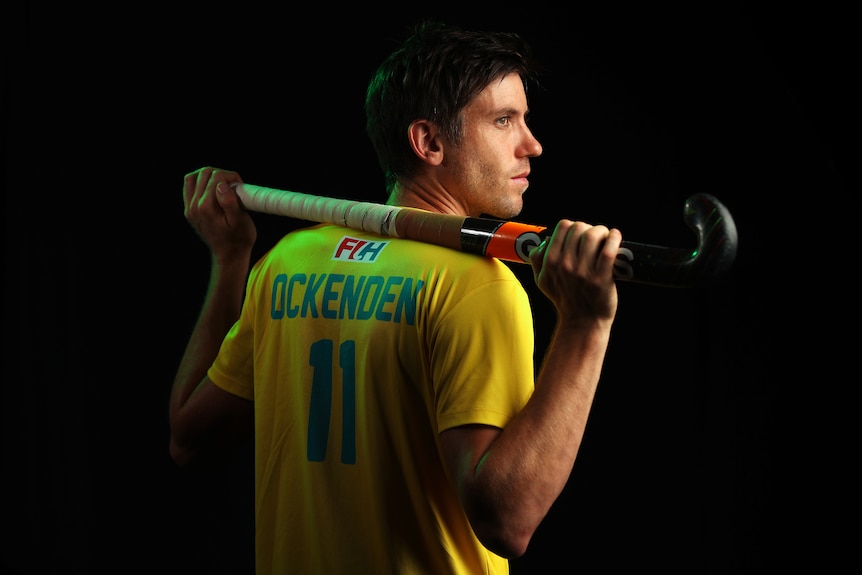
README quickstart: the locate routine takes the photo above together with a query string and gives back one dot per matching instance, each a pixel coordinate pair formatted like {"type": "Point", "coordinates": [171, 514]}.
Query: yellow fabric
{"type": "Point", "coordinates": [428, 338]}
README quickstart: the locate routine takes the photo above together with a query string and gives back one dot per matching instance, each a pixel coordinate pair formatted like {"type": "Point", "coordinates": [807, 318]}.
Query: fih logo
{"type": "Point", "coordinates": [351, 249]}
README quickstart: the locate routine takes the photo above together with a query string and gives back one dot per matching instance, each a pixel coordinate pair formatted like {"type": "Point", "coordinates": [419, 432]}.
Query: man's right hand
{"type": "Point", "coordinates": [574, 269]}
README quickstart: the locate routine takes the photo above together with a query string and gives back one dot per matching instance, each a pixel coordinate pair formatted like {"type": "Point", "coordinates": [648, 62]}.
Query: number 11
{"type": "Point", "coordinates": [320, 409]}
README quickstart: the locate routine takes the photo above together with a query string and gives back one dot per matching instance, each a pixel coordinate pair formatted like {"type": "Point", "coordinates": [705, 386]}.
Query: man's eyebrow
{"type": "Point", "coordinates": [510, 111]}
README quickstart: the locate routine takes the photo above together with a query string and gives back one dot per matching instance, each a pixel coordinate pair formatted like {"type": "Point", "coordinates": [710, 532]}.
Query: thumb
{"type": "Point", "coordinates": [226, 196]}
{"type": "Point", "coordinates": [537, 254]}
{"type": "Point", "coordinates": [229, 202]}
{"type": "Point", "coordinates": [221, 191]}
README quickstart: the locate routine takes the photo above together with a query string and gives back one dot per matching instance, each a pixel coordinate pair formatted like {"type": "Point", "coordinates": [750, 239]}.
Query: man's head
{"type": "Point", "coordinates": [434, 75]}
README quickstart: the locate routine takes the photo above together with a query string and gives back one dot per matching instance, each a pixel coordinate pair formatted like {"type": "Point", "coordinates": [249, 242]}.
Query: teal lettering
{"type": "Point", "coordinates": [407, 301]}
{"type": "Point", "coordinates": [309, 301]}
{"type": "Point", "coordinates": [330, 295]}
{"type": "Point", "coordinates": [350, 296]}
{"type": "Point", "coordinates": [276, 306]}
{"type": "Point", "coordinates": [297, 278]}
{"type": "Point", "coordinates": [386, 297]}
{"type": "Point", "coordinates": [339, 296]}
{"type": "Point", "coordinates": [366, 305]}
{"type": "Point", "coordinates": [370, 251]}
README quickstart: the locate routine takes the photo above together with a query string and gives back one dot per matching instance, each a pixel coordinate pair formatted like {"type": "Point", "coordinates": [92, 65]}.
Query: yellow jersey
{"type": "Point", "coordinates": [358, 350]}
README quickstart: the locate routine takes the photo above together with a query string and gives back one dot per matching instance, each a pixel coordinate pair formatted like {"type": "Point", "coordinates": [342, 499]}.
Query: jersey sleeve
{"type": "Point", "coordinates": [233, 368]}
{"type": "Point", "coordinates": [482, 360]}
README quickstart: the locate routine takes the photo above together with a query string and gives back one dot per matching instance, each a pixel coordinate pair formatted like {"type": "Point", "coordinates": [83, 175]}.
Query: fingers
{"type": "Point", "coordinates": [215, 212]}
{"type": "Point", "coordinates": [574, 268]}
{"type": "Point", "coordinates": [200, 192]}
{"type": "Point", "coordinates": [609, 249]}
{"type": "Point", "coordinates": [581, 247]}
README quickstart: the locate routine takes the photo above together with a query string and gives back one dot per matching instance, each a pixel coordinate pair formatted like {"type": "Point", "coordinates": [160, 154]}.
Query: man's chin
{"type": "Point", "coordinates": [503, 215]}
{"type": "Point", "coordinates": [506, 210]}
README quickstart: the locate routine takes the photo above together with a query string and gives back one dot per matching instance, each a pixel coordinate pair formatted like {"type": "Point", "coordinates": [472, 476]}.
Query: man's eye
{"type": "Point", "coordinates": [503, 121]}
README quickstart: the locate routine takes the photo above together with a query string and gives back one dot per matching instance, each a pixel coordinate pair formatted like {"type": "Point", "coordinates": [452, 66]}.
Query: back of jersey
{"type": "Point", "coordinates": [359, 350]}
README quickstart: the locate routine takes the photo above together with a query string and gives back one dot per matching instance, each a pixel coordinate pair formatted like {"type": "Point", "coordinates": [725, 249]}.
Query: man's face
{"type": "Point", "coordinates": [488, 170]}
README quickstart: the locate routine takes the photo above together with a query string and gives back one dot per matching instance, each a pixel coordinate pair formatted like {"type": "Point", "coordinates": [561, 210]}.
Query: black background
{"type": "Point", "coordinates": [717, 440]}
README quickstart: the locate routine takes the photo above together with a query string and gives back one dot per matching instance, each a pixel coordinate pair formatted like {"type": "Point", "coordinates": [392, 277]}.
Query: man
{"type": "Point", "coordinates": [398, 421]}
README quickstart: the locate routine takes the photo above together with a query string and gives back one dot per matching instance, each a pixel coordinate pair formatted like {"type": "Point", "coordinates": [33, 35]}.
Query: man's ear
{"type": "Point", "coordinates": [425, 140]}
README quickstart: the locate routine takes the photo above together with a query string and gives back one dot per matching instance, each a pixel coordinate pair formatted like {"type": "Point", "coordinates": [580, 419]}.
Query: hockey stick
{"type": "Point", "coordinates": [702, 265]}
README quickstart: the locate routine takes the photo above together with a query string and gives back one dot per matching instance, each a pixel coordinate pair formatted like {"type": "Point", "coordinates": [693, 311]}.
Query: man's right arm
{"type": "Point", "coordinates": [508, 479]}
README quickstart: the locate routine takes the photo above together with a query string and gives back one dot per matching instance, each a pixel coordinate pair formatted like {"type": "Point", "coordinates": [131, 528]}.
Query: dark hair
{"type": "Point", "coordinates": [433, 75]}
